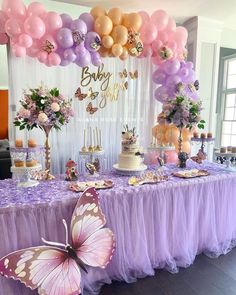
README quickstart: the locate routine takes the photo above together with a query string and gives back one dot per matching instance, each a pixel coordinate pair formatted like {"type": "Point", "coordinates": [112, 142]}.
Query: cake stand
{"type": "Point", "coordinates": [25, 175]}
{"type": "Point", "coordinates": [129, 172]}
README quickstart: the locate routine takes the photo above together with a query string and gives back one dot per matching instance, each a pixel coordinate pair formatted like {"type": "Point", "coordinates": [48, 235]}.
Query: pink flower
{"type": "Point", "coordinates": [24, 113]}
{"type": "Point", "coordinates": [42, 117]}
{"type": "Point", "coordinates": [55, 107]}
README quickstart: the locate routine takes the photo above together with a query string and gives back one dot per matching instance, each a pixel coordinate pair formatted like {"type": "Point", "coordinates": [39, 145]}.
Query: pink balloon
{"type": "Point", "coordinates": [163, 36]}
{"type": "Point", "coordinates": [180, 36]}
{"type": "Point", "coordinates": [25, 40]}
{"type": "Point", "coordinates": [4, 39]}
{"type": "Point", "coordinates": [156, 45]}
{"type": "Point", "coordinates": [13, 27]}
{"type": "Point", "coordinates": [171, 44]}
{"type": "Point", "coordinates": [35, 27]}
{"type": "Point", "coordinates": [35, 8]}
{"type": "Point", "coordinates": [18, 50]}
{"type": "Point", "coordinates": [171, 157]}
{"type": "Point", "coordinates": [54, 59]}
{"type": "Point", "coordinates": [157, 60]}
{"type": "Point", "coordinates": [34, 49]}
{"type": "Point", "coordinates": [145, 16]}
{"type": "Point", "coordinates": [14, 8]}
{"type": "Point", "coordinates": [147, 51]}
{"type": "Point", "coordinates": [53, 21]}
{"type": "Point", "coordinates": [3, 20]}
{"type": "Point", "coordinates": [160, 19]}
{"type": "Point", "coordinates": [42, 56]}
{"type": "Point", "coordinates": [148, 33]}
{"type": "Point", "coordinates": [48, 38]}
{"type": "Point", "coordinates": [171, 26]}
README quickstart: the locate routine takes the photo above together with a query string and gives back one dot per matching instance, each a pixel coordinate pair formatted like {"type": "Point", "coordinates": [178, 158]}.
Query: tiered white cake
{"type": "Point", "coordinates": [131, 156]}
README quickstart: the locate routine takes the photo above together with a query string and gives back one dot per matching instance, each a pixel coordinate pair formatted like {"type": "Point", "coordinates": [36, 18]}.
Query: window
{"type": "Point", "coordinates": [228, 95]}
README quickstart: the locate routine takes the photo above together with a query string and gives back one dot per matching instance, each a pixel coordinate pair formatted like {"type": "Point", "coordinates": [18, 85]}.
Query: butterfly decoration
{"type": "Point", "coordinates": [165, 53]}
{"type": "Point", "coordinates": [133, 75]}
{"type": "Point", "coordinates": [48, 47]}
{"type": "Point", "coordinates": [179, 87]}
{"type": "Point", "coordinates": [93, 167]}
{"type": "Point", "coordinates": [200, 157]}
{"type": "Point", "coordinates": [56, 268]}
{"type": "Point", "coordinates": [196, 85]}
{"type": "Point", "coordinates": [81, 96]}
{"type": "Point", "coordinates": [90, 109]}
{"type": "Point", "coordinates": [123, 74]}
{"type": "Point", "coordinates": [96, 44]}
{"type": "Point", "coordinates": [92, 94]}
{"type": "Point", "coordinates": [192, 88]}
{"type": "Point", "coordinates": [78, 37]}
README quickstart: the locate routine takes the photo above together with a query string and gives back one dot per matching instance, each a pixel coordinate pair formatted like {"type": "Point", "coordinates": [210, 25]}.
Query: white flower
{"type": "Point", "coordinates": [42, 117]}
{"type": "Point", "coordinates": [42, 101]}
{"type": "Point", "coordinates": [55, 107]}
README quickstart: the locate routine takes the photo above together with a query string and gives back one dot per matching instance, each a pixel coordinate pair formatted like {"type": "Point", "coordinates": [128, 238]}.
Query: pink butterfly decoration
{"type": "Point", "coordinates": [55, 270]}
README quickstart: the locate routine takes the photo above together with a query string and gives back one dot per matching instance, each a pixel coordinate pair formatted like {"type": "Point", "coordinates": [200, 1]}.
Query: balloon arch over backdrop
{"type": "Point", "coordinates": [58, 40]}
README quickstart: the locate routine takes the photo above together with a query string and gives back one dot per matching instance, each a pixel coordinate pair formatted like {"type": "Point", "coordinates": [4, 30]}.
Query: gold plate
{"type": "Point", "coordinates": [191, 173]}
{"type": "Point", "coordinates": [81, 186]}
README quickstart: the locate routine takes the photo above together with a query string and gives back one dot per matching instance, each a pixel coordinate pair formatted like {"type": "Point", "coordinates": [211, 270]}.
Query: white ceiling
{"type": "Point", "coordinates": [181, 10]}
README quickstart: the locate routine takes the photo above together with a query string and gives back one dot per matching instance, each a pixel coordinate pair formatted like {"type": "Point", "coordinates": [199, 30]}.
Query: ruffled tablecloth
{"type": "Point", "coordinates": [156, 226]}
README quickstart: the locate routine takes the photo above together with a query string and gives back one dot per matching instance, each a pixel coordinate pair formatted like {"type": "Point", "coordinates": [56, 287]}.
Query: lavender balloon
{"type": "Point", "coordinates": [70, 55]}
{"type": "Point", "coordinates": [83, 61]}
{"type": "Point", "coordinates": [88, 19]}
{"type": "Point", "coordinates": [161, 94]}
{"type": "Point", "coordinates": [65, 38]}
{"type": "Point", "coordinates": [79, 25]}
{"type": "Point", "coordinates": [96, 59]}
{"type": "Point", "coordinates": [171, 67]}
{"type": "Point", "coordinates": [159, 77]}
{"type": "Point", "coordinates": [66, 20]}
{"type": "Point", "coordinates": [92, 42]}
{"type": "Point", "coordinates": [80, 50]}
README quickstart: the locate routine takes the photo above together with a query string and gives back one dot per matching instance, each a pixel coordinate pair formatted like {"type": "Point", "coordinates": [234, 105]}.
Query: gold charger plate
{"type": "Point", "coordinates": [81, 186]}
{"type": "Point", "coordinates": [191, 173]}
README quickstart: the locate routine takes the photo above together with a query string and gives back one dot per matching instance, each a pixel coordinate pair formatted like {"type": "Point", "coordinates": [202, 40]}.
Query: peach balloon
{"type": "Point", "coordinates": [158, 132]}
{"type": "Point", "coordinates": [107, 41]}
{"type": "Point", "coordinates": [120, 34]}
{"type": "Point", "coordinates": [97, 11]}
{"type": "Point", "coordinates": [103, 25]}
{"type": "Point", "coordinates": [134, 21]}
{"type": "Point", "coordinates": [186, 134]}
{"type": "Point", "coordinates": [104, 52]}
{"type": "Point", "coordinates": [172, 134]}
{"type": "Point", "coordinates": [116, 15]}
{"type": "Point", "coordinates": [125, 54]}
{"type": "Point", "coordinates": [117, 50]}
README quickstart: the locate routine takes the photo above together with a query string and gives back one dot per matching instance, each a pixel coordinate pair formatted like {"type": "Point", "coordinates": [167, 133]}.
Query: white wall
{"type": "Point", "coordinates": [228, 38]}
{"type": "Point", "coordinates": [73, 10]}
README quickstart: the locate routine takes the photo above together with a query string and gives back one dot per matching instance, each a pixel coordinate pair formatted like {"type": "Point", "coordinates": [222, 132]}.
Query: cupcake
{"type": "Point", "coordinates": [234, 149]}
{"type": "Point", "coordinates": [229, 149]}
{"type": "Point", "coordinates": [203, 135]}
{"type": "Point", "coordinates": [32, 143]}
{"type": "Point", "coordinates": [223, 150]}
{"type": "Point", "coordinates": [18, 143]}
{"type": "Point", "coordinates": [209, 135]}
{"type": "Point", "coordinates": [195, 134]}
{"type": "Point", "coordinates": [19, 163]}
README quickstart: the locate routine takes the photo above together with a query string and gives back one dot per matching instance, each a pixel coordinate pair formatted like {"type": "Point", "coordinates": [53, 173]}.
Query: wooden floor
{"type": "Point", "coordinates": [205, 277]}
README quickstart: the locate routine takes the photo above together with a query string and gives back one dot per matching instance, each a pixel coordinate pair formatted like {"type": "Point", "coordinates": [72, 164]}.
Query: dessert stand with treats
{"type": "Point", "coordinates": [130, 160]}
{"type": "Point", "coordinates": [92, 153]}
{"type": "Point", "coordinates": [26, 162]}
{"type": "Point", "coordinates": [226, 155]}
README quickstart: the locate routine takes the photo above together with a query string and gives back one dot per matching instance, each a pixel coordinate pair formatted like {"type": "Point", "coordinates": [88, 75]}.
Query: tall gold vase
{"type": "Point", "coordinates": [47, 148]}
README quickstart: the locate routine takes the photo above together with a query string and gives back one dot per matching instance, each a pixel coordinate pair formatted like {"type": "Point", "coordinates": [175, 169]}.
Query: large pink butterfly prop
{"type": "Point", "coordinates": [56, 271]}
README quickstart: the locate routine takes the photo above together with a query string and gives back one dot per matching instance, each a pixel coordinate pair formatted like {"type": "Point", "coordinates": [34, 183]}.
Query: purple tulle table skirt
{"type": "Point", "coordinates": [156, 226]}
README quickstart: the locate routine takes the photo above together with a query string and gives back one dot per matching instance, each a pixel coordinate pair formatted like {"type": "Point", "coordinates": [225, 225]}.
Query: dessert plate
{"type": "Point", "coordinates": [81, 186]}
{"type": "Point", "coordinates": [191, 173]}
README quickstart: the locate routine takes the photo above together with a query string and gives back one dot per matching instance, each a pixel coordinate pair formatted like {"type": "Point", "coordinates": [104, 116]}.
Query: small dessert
{"type": "Point", "coordinates": [31, 163]}
{"type": "Point", "coordinates": [203, 135]}
{"type": "Point", "coordinates": [209, 135]}
{"type": "Point", "coordinates": [32, 143]}
{"type": "Point", "coordinates": [18, 143]}
{"type": "Point", "coordinates": [195, 134]}
{"type": "Point", "coordinates": [229, 149]}
{"type": "Point", "coordinates": [19, 163]}
{"type": "Point", "coordinates": [234, 149]}
{"type": "Point", "coordinates": [223, 150]}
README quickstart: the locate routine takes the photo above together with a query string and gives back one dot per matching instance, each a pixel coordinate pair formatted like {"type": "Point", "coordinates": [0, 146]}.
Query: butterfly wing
{"type": "Point", "coordinates": [92, 94]}
{"type": "Point", "coordinates": [81, 96]}
{"type": "Point", "coordinates": [94, 245]}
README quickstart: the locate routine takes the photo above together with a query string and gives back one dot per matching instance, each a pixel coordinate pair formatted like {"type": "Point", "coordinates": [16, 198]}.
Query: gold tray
{"type": "Point", "coordinates": [81, 186]}
{"type": "Point", "coordinates": [191, 173]}
{"type": "Point", "coordinates": [154, 179]}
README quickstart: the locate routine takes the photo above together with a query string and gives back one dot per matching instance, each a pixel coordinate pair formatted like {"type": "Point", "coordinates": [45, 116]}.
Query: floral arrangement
{"type": "Point", "coordinates": [182, 112]}
{"type": "Point", "coordinates": [129, 136]}
{"type": "Point", "coordinates": [43, 108]}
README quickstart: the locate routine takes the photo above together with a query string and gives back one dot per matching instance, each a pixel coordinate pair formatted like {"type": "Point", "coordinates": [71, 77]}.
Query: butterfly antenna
{"type": "Point", "coordinates": [66, 228]}
{"type": "Point", "coordinates": [53, 243]}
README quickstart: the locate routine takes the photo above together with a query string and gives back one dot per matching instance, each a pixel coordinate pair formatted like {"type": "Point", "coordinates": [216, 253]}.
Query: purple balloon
{"type": "Point", "coordinates": [65, 38]}
{"type": "Point", "coordinates": [173, 80]}
{"type": "Point", "coordinates": [79, 25]}
{"type": "Point", "coordinates": [88, 19]}
{"type": "Point", "coordinates": [66, 20]}
{"type": "Point", "coordinates": [171, 67]}
{"type": "Point", "coordinates": [190, 78]}
{"type": "Point", "coordinates": [161, 94]}
{"type": "Point", "coordinates": [70, 55]}
{"type": "Point", "coordinates": [83, 61]}
{"type": "Point", "coordinates": [189, 65]}
{"type": "Point", "coordinates": [96, 59]}
{"type": "Point", "coordinates": [80, 50]}
{"type": "Point", "coordinates": [64, 63]}
{"type": "Point", "coordinates": [159, 77]}
{"type": "Point", "coordinates": [92, 42]}
{"type": "Point", "coordinates": [183, 72]}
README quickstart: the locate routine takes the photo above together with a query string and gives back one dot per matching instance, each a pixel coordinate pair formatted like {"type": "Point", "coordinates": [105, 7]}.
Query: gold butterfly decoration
{"type": "Point", "coordinates": [133, 75]}
{"type": "Point", "coordinates": [81, 96]}
{"type": "Point", "coordinates": [48, 47]}
{"type": "Point", "coordinates": [90, 109]}
{"type": "Point", "coordinates": [92, 94]}
{"type": "Point", "coordinates": [123, 74]}
{"type": "Point", "coordinates": [126, 85]}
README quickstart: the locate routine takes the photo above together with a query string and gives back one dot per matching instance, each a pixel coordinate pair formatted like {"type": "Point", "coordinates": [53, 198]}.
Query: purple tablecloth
{"type": "Point", "coordinates": [156, 226]}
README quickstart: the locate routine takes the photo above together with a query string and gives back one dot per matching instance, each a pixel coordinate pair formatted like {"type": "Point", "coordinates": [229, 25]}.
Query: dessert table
{"type": "Point", "coordinates": [156, 226]}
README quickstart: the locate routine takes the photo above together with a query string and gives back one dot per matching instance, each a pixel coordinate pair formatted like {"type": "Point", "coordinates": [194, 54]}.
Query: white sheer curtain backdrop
{"type": "Point", "coordinates": [135, 106]}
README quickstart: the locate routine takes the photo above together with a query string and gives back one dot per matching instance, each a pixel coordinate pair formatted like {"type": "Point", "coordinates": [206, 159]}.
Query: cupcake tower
{"type": "Point", "coordinates": [92, 141]}
{"type": "Point", "coordinates": [24, 157]}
